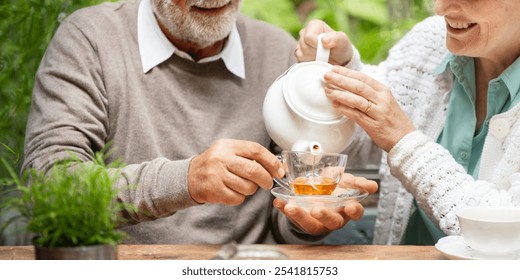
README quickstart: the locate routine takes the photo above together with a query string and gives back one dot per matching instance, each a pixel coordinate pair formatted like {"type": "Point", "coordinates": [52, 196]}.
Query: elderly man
{"type": "Point", "coordinates": [175, 87]}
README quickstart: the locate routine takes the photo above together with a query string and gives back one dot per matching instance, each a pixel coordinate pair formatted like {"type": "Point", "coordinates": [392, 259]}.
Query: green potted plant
{"type": "Point", "coordinates": [71, 210]}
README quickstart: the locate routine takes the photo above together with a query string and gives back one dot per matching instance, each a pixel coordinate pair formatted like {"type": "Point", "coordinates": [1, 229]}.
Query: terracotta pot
{"type": "Point", "coordinates": [94, 252]}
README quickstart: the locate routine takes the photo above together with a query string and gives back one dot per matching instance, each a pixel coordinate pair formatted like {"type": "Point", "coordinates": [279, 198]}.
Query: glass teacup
{"type": "Point", "coordinates": [311, 173]}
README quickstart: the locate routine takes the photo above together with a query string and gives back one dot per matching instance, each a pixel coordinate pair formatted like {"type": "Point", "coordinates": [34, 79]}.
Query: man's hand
{"type": "Point", "coordinates": [230, 170]}
{"type": "Point", "coordinates": [321, 220]}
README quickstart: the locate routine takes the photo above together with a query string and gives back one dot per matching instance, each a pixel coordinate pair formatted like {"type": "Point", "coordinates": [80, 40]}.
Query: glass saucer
{"type": "Point", "coordinates": [339, 198]}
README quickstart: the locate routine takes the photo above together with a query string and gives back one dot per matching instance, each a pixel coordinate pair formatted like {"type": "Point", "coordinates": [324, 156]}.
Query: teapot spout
{"type": "Point", "coordinates": [307, 146]}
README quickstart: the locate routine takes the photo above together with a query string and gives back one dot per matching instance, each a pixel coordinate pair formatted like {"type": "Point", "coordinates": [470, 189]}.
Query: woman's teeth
{"type": "Point", "coordinates": [458, 25]}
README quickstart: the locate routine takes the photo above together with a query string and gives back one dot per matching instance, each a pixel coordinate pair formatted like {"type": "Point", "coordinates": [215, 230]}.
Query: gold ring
{"type": "Point", "coordinates": [368, 107]}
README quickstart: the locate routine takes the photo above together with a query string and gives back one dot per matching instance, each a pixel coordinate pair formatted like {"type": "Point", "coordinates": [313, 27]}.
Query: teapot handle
{"type": "Point", "coordinates": [322, 54]}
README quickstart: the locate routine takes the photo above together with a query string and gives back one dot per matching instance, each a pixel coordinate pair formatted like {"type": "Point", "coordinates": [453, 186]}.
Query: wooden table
{"type": "Point", "coordinates": [295, 252]}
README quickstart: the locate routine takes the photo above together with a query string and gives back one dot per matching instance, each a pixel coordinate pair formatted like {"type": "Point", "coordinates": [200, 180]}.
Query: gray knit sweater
{"type": "Point", "coordinates": [91, 90]}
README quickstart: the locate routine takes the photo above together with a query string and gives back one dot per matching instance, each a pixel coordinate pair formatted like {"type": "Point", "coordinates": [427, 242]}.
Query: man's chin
{"type": "Point", "coordinates": [206, 36]}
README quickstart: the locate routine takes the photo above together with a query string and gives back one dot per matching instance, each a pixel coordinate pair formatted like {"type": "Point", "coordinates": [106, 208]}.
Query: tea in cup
{"type": "Point", "coordinates": [313, 185]}
{"type": "Point", "coordinates": [311, 173]}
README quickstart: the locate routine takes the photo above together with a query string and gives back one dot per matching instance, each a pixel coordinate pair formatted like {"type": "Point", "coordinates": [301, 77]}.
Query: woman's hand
{"type": "Point", "coordinates": [368, 103]}
{"type": "Point", "coordinates": [338, 43]}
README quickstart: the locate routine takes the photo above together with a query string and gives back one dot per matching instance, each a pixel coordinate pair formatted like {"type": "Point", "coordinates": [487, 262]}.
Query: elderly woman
{"type": "Point", "coordinates": [444, 108]}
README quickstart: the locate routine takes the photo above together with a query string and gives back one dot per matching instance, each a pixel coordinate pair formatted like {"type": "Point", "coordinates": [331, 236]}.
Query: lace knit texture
{"type": "Point", "coordinates": [417, 166]}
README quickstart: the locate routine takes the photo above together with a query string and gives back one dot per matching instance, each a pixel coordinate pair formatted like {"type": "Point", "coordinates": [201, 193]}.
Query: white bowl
{"type": "Point", "coordinates": [491, 230]}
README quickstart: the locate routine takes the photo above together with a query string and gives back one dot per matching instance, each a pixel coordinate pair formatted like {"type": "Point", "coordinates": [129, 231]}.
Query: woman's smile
{"type": "Point", "coordinates": [458, 27]}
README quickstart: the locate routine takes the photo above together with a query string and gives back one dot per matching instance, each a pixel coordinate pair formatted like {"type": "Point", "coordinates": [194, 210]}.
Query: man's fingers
{"type": "Point", "coordinates": [303, 219]}
{"type": "Point", "coordinates": [252, 171]}
{"type": "Point", "coordinates": [351, 181]}
{"type": "Point", "coordinates": [330, 219]}
{"type": "Point", "coordinates": [354, 210]}
{"type": "Point", "coordinates": [261, 155]}
{"type": "Point", "coordinates": [240, 185]}
{"type": "Point", "coordinates": [320, 220]}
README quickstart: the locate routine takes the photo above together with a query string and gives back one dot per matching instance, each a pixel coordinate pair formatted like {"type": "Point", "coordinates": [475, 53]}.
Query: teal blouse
{"type": "Point", "coordinates": [459, 135]}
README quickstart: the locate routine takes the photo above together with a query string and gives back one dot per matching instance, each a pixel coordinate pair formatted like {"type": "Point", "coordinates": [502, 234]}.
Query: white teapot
{"type": "Point", "coordinates": [297, 114]}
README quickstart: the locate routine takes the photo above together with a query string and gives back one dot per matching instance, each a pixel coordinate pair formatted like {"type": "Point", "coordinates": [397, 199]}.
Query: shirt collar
{"type": "Point", "coordinates": [444, 64]}
{"type": "Point", "coordinates": [509, 76]}
{"type": "Point", "coordinates": [155, 48]}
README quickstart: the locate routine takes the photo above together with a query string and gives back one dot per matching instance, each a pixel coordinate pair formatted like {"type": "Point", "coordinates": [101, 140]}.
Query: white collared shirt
{"type": "Point", "coordinates": [155, 48]}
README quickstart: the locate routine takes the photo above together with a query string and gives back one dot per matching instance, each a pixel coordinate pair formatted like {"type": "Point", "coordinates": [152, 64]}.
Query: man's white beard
{"type": "Point", "coordinates": [195, 27]}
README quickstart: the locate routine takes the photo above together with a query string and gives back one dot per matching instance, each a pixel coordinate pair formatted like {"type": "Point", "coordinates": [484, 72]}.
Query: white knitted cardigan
{"type": "Point", "coordinates": [417, 166]}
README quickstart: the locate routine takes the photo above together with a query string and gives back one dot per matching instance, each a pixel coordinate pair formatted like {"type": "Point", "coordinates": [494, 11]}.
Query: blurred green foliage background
{"type": "Point", "coordinates": [27, 26]}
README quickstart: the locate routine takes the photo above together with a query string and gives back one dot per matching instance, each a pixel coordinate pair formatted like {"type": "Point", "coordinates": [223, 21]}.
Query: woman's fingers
{"type": "Point", "coordinates": [365, 79]}
{"type": "Point", "coordinates": [352, 100]}
{"type": "Point", "coordinates": [370, 104]}
{"type": "Point", "coordinates": [354, 82]}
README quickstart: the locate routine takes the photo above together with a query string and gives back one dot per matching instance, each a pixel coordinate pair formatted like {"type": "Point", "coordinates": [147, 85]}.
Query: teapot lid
{"type": "Point", "coordinates": [304, 92]}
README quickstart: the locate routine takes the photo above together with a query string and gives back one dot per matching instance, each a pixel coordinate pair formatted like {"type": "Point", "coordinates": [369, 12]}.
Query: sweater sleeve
{"type": "Point", "coordinates": [69, 115]}
{"type": "Point", "coordinates": [440, 185]}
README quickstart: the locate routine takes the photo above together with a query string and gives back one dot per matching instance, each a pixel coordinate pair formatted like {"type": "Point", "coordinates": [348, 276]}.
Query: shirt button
{"type": "Point", "coordinates": [464, 155]}
{"type": "Point", "coordinates": [499, 128]}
